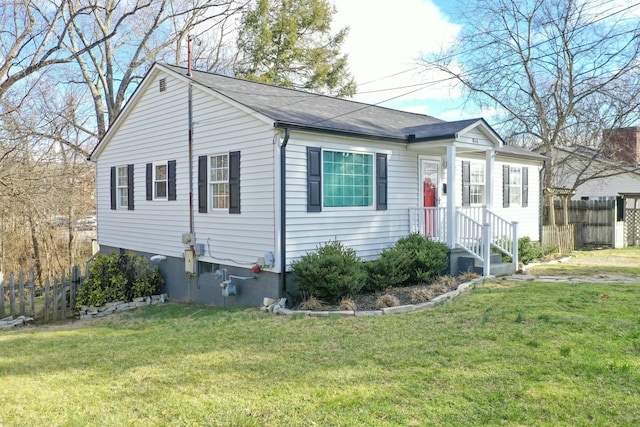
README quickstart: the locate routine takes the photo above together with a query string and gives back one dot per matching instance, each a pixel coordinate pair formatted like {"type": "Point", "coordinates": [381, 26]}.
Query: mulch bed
{"type": "Point", "coordinates": [405, 295]}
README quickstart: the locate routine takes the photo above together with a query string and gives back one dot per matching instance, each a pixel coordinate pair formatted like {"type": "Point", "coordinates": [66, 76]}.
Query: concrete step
{"type": "Point", "coordinates": [497, 267]}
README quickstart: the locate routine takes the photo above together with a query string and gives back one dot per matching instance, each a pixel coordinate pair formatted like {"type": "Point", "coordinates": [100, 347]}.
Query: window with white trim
{"type": "Point", "coordinates": [515, 186]}
{"type": "Point", "coordinates": [160, 181]}
{"type": "Point", "coordinates": [476, 183]}
{"type": "Point", "coordinates": [347, 179]}
{"type": "Point", "coordinates": [122, 186]}
{"type": "Point", "coordinates": [219, 181]}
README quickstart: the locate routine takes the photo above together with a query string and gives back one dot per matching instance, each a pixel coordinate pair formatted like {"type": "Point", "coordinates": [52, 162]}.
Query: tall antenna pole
{"type": "Point", "coordinates": [190, 112]}
{"type": "Point", "coordinates": [189, 40]}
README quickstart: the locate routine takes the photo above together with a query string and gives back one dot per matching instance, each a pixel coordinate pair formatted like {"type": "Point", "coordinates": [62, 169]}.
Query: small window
{"type": "Point", "coordinates": [160, 181]}
{"type": "Point", "coordinates": [219, 181]}
{"type": "Point", "coordinates": [206, 267]}
{"type": "Point", "coordinates": [515, 186]}
{"type": "Point", "coordinates": [122, 181]}
{"type": "Point", "coordinates": [476, 188]}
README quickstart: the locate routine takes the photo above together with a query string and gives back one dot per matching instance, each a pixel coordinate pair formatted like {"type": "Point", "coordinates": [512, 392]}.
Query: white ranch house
{"type": "Point", "coordinates": [210, 175]}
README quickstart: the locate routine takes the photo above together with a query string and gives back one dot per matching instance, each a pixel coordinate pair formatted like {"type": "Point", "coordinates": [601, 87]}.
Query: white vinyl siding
{"type": "Point", "coordinates": [159, 123]}
{"type": "Point", "coordinates": [368, 231]}
{"type": "Point", "coordinates": [526, 217]}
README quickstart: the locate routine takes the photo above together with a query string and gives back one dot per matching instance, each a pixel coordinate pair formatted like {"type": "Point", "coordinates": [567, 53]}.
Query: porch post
{"type": "Point", "coordinates": [452, 232]}
{"type": "Point", "coordinates": [488, 178]}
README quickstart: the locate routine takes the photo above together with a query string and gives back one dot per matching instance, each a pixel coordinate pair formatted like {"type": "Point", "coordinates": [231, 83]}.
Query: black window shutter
{"type": "Point", "coordinates": [314, 179]}
{"type": "Point", "coordinates": [234, 182]}
{"type": "Point", "coordinates": [466, 183]}
{"type": "Point", "coordinates": [114, 189]}
{"type": "Point", "coordinates": [130, 187]}
{"type": "Point", "coordinates": [505, 186]}
{"type": "Point", "coordinates": [149, 181]}
{"type": "Point", "coordinates": [202, 184]}
{"type": "Point", "coordinates": [171, 179]}
{"type": "Point", "coordinates": [525, 187]}
{"type": "Point", "coordinates": [381, 181]}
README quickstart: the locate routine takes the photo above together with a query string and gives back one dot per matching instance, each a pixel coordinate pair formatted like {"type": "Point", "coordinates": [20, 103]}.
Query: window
{"type": "Point", "coordinates": [122, 186]}
{"type": "Point", "coordinates": [476, 182]}
{"type": "Point", "coordinates": [160, 181]}
{"type": "Point", "coordinates": [347, 179]}
{"type": "Point", "coordinates": [515, 186]}
{"type": "Point", "coordinates": [219, 181]}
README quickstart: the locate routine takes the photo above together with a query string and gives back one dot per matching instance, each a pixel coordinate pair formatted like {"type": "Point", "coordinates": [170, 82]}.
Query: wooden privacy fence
{"type": "Point", "coordinates": [595, 223]}
{"type": "Point", "coordinates": [53, 300]}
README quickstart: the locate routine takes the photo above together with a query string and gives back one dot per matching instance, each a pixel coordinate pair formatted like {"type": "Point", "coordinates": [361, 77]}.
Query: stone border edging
{"type": "Point", "coordinates": [277, 307]}
{"type": "Point", "coordinates": [14, 322]}
{"type": "Point", "coordinates": [87, 313]}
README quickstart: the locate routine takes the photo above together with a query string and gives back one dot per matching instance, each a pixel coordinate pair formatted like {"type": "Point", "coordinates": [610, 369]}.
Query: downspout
{"type": "Point", "coordinates": [283, 212]}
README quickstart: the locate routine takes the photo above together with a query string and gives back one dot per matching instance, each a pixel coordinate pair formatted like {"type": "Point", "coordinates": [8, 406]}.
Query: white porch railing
{"type": "Point", "coordinates": [430, 222]}
{"type": "Point", "coordinates": [478, 231]}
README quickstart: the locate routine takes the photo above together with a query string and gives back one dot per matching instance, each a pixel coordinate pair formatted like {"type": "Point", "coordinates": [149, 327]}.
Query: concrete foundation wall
{"type": "Point", "coordinates": [204, 288]}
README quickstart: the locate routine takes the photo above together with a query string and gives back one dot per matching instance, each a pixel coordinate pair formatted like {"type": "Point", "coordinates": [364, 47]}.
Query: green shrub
{"type": "Point", "coordinates": [528, 250]}
{"type": "Point", "coordinates": [330, 273]}
{"type": "Point", "coordinates": [414, 259]}
{"type": "Point", "coordinates": [117, 277]}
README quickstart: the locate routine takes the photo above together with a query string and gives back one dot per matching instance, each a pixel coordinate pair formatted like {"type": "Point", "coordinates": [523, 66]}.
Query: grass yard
{"type": "Point", "coordinates": [603, 262]}
{"type": "Point", "coordinates": [508, 353]}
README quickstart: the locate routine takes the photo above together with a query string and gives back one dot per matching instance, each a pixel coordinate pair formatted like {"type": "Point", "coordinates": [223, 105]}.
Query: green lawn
{"type": "Point", "coordinates": [508, 353]}
{"type": "Point", "coordinates": [603, 262]}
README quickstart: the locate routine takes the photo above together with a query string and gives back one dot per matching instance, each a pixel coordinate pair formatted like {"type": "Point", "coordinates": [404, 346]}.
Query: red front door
{"type": "Point", "coordinates": [429, 196]}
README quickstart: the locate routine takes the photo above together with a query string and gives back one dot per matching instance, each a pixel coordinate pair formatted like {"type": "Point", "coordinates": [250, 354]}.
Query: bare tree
{"type": "Point", "coordinates": [145, 31]}
{"type": "Point", "coordinates": [66, 70]}
{"type": "Point", "coordinates": [557, 72]}
{"type": "Point", "coordinates": [32, 35]}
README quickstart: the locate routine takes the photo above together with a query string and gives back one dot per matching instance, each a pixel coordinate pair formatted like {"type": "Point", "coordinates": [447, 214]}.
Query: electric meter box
{"type": "Point", "coordinates": [190, 261]}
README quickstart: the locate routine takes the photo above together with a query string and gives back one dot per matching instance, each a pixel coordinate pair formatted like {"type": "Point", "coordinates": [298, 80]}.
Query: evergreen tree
{"type": "Point", "coordinates": [289, 43]}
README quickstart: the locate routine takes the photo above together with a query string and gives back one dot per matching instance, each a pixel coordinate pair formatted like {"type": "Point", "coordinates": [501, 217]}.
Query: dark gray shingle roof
{"type": "Point", "coordinates": [296, 108]}
{"type": "Point", "coordinates": [309, 110]}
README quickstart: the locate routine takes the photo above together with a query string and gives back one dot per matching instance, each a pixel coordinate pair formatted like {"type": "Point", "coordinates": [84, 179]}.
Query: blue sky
{"type": "Point", "coordinates": [384, 46]}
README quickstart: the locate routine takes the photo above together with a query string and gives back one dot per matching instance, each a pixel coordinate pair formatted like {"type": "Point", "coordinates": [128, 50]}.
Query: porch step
{"type": "Point", "coordinates": [497, 267]}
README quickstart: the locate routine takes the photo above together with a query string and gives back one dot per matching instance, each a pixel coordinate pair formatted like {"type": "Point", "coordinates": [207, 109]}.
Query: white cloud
{"type": "Point", "coordinates": [384, 45]}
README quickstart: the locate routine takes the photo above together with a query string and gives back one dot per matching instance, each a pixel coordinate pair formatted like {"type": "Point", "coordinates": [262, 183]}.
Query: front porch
{"type": "Point", "coordinates": [474, 236]}
{"type": "Point", "coordinates": [460, 182]}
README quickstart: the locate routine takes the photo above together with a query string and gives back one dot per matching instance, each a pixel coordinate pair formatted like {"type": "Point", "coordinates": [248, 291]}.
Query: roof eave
{"type": "Point", "coordinates": [340, 132]}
